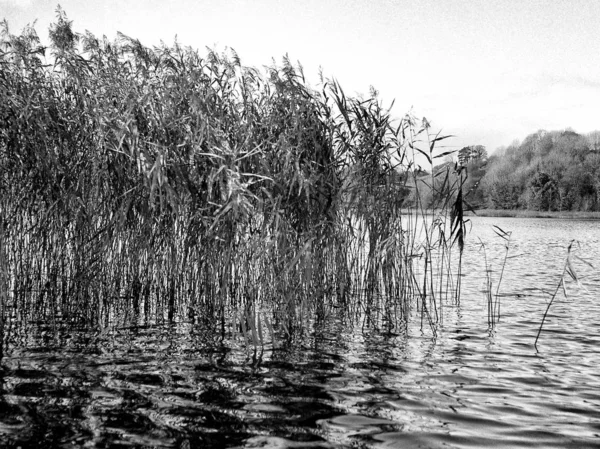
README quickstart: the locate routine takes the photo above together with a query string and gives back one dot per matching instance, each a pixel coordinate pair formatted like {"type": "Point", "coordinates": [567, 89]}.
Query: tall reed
{"type": "Point", "coordinates": [143, 184]}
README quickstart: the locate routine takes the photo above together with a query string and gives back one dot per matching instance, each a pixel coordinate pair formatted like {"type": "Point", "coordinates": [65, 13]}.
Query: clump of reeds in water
{"type": "Point", "coordinates": [157, 184]}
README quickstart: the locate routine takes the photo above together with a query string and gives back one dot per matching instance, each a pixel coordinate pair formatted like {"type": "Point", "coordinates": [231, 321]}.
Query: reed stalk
{"type": "Point", "coordinates": [567, 269]}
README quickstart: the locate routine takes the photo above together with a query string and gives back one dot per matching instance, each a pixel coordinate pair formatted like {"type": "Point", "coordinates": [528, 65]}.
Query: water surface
{"type": "Point", "coordinates": [339, 385]}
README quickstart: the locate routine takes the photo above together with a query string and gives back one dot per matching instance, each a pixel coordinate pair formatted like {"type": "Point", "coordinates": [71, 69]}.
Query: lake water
{"type": "Point", "coordinates": [340, 385]}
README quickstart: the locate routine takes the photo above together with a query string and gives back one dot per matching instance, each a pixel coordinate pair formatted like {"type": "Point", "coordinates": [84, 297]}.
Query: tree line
{"type": "Point", "coordinates": [548, 171]}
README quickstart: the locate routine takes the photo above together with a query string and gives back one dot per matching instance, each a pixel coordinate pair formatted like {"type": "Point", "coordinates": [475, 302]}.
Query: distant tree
{"type": "Point", "coordinates": [469, 153]}
{"type": "Point", "coordinates": [572, 144]}
{"type": "Point", "coordinates": [464, 155]}
{"type": "Point", "coordinates": [479, 152]}
{"type": "Point", "coordinates": [501, 187]}
{"type": "Point", "coordinates": [593, 139]}
{"type": "Point", "coordinates": [543, 192]}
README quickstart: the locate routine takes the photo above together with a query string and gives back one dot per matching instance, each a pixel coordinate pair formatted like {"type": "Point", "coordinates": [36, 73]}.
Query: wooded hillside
{"type": "Point", "coordinates": [557, 170]}
{"type": "Point", "coordinates": [548, 171]}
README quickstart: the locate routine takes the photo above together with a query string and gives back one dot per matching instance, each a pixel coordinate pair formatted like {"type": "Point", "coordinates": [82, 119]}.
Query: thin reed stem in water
{"type": "Point", "coordinates": [553, 296]}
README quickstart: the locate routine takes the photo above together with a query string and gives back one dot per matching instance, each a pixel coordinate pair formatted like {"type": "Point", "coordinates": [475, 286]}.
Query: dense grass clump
{"type": "Point", "coordinates": [158, 184]}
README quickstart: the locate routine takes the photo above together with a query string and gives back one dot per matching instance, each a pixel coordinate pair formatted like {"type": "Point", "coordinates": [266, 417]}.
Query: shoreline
{"type": "Point", "coordinates": [517, 213]}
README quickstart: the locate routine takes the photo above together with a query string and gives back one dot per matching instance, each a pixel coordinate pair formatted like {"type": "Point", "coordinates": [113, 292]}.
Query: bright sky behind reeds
{"type": "Point", "coordinates": [488, 72]}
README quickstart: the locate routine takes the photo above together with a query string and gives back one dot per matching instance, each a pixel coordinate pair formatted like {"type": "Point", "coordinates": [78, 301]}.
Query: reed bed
{"type": "Point", "coordinates": [155, 184]}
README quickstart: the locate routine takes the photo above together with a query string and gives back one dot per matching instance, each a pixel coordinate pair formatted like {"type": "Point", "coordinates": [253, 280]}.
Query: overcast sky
{"type": "Point", "coordinates": [488, 72]}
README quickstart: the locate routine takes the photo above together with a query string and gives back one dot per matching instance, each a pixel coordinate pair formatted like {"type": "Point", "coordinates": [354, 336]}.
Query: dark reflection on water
{"type": "Point", "coordinates": [339, 386]}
